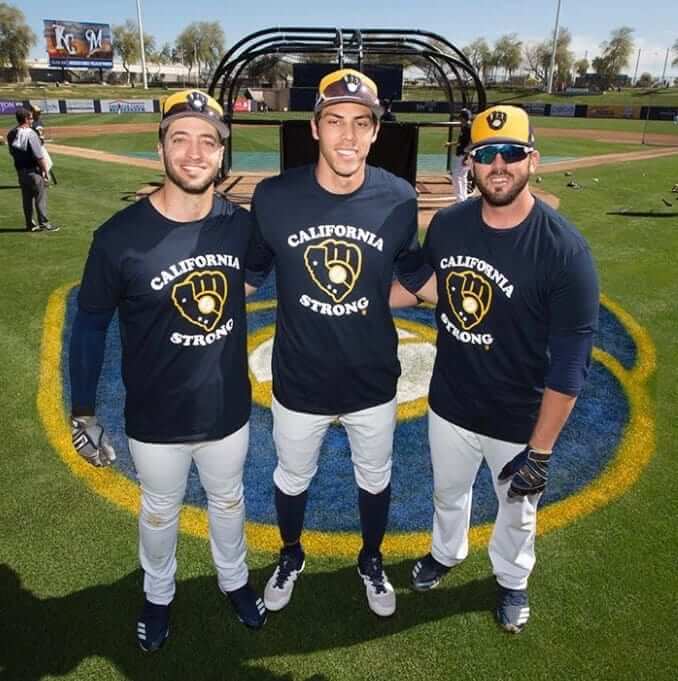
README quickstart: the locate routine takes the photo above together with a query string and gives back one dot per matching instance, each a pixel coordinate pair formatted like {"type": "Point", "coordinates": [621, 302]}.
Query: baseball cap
{"type": "Point", "coordinates": [501, 125]}
{"type": "Point", "coordinates": [348, 85]}
{"type": "Point", "coordinates": [193, 103]}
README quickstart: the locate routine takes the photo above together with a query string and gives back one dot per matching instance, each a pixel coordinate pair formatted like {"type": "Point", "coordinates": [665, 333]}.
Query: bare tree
{"type": "Point", "coordinates": [16, 39]}
{"type": "Point", "coordinates": [126, 44]}
{"type": "Point", "coordinates": [616, 54]}
{"type": "Point", "coordinates": [202, 45]}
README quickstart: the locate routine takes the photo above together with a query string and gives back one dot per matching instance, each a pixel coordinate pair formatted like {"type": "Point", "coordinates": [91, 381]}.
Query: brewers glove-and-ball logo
{"type": "Point", "coordinates": [496, 120]}
{"type": "Point", "coordinates": [470, 297]}
{"type": "Point", "coordinates": [200, 298]}
{"type": "Point", "coordinates": [334, 266]}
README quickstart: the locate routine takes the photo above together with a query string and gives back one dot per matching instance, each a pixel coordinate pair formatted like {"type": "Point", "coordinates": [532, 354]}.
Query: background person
{"type": "Point", "coordinates": [335, 231]}
{"type": "Point", "coordinates": [32, 170]}
{"type": "Point", "coordinates": [172, 265]}
{"type": "Point", "coordinates": [460, 166]}
{"type": "Point", "coordinates": [517, 306]}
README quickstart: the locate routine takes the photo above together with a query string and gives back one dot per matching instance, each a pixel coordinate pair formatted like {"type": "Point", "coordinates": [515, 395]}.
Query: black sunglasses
{"type": "Point", "coordinates": [511, 153]}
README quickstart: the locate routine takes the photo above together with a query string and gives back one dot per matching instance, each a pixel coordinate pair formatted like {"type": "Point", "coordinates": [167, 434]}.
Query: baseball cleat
{"type": "Point", "coordinates": [380, 594]}
{"type": "Point", "coordinates": [513, 609]}
{"type": "Point", "coordinates": [49, 227]}
{"type": "Point", "coordinates": [279, 588]}
{"type": "Point", "coordinates": [427, 573]}
{"type": "Point", "coordinates": [248, 606]}
{"type": "Point", "coordinates": [153, 626]}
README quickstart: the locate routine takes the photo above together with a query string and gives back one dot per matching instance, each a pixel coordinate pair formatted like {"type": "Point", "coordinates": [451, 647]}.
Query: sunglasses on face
{"type": "Point", "coordinates": [511, 153]}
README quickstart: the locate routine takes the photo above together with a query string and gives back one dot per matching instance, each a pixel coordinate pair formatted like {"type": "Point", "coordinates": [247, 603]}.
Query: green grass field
{"type": "Point", "coordinates": [603, 594]}
{"type": "Point", "coordinates": [628, 96]}
{"type": "Point", "coordinates": [266, 139]}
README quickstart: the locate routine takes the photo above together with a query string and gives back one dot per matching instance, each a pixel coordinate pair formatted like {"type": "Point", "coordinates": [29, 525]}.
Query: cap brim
{"type": "Point", "coordinates": [221, 127]}
{"type": "Point", "coordinates": [376, 110]}
{"type": "Point", "coordinates": [497, 140]}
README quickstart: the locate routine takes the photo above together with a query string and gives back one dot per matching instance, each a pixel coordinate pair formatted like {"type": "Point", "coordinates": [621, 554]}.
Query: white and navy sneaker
{"type": "Point", "coordinates": [513, 609]}
{"type": "Point", "coordinates": [153, 626]}
{"type": "Point", "coordinates": [248, 606]}
{"type": "Point", "coordinates": [279, 588]}
{"type": "Point", "coordinates": [427, 573]}
{"type": "Point", "coordinates": [380, 594]}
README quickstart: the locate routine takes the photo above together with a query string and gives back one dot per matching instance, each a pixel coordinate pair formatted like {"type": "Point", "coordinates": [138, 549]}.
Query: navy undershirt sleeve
{"type": "Point", "coordinates": [86, 356]}
{"type": "Point", "coordinates": [259, 260]}
{"type": "Point", "coordinates": [574, 306]}
{"type": "Point", "coordinates": [570, 362]}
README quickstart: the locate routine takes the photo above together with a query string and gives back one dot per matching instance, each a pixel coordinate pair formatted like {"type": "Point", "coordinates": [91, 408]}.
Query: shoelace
{"type": "Point", "coordinates": [285, 567]}
{"type": "Point", "coordinates": [376, 575]}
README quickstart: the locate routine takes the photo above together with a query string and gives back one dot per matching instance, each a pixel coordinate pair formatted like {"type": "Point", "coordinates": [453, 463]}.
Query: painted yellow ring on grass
{"type": "Point", "coordinates": [633, 454]}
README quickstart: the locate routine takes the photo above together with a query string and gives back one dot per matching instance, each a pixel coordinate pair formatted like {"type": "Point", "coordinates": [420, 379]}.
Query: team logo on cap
{"type": "Point", "coordinates": [352, 82]}
{"type": "Point", "coordinates": [497, 120]}
{"type": "Point", "coordinates": [197, 101]}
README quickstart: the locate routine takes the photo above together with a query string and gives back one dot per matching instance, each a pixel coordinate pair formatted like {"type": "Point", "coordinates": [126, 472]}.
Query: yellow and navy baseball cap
{"type": "Point", "coordinates": [500, 125]}
{"type": "Point", "coordinates": [348, 85]}
{"type": "Point", "coordinates": [193, 103]}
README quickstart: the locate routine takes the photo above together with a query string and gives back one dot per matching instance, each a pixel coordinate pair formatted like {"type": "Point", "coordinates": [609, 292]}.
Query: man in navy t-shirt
{"type": "Point", "coordinates": [335, 232]}
{"type": "Point", "coordinates": [517, 306]}
{"type": "Point", "coordinates": [172, 265]}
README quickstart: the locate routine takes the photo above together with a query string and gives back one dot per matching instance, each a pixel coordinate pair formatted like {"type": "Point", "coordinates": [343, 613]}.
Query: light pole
{"type": "Point", "coordinates": [549, 89]}
{"type": "Point", "coordinates": [141, 45]}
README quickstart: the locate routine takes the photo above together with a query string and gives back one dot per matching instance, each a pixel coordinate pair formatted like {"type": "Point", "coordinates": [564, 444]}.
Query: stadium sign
{"type": "Point", "coordinates": [126, 106]}
{"type": "Point", "coordinates": [78, 44]}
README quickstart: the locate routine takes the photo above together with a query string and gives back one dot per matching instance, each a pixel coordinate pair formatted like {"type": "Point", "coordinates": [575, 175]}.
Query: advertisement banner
{"type": "Point", "coordinates": [535, 108]}
{"type": "Point", "coordinates": [8, 107]}
{"type": "Point", "coordinates": [562, 109]}
{"type": "Point", "coordinates": [47, 106]}
{"type": "Point", "coordinates": [78, 44]}
{"type": "Point", "coordinates": [613, 112]}
{"type": "Point", "coordinates": [79, 106]}
{"type": "Point", "coordinates": [126, 106]}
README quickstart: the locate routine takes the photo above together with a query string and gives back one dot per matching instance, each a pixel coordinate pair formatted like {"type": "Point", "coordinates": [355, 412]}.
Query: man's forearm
{"type": "Point", "coordinates": [553, 414]}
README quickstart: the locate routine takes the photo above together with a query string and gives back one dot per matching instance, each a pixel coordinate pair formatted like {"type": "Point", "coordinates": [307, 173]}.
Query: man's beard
{"type": "Point", "coordinates": [186, 187]}
{"type": "Point", "coordinates": [502, 199]}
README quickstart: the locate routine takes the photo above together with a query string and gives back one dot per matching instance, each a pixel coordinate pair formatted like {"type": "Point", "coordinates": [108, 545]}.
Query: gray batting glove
{"type": "Point", "coordinates": [91, 442]}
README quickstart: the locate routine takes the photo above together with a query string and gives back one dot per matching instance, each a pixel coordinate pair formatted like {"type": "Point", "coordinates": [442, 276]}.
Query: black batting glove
{"type": "Point", "coordinates": [528, 472]}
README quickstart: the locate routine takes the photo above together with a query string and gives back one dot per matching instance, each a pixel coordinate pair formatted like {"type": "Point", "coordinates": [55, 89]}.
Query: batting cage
{"type": "Point", "coordinates": [382, 54]}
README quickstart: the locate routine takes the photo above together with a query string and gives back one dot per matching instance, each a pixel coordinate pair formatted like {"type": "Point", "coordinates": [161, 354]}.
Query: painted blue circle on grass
{"type": "Point", "coordinates": [586, 445]}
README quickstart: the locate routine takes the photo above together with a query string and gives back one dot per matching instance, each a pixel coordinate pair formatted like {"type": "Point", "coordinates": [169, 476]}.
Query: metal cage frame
{"type": "Point", "coordinates": [349, 46]}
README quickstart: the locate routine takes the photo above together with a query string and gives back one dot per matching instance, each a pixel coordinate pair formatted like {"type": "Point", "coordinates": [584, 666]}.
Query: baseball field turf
{"type": "Point", "coordinates": [604, 592]}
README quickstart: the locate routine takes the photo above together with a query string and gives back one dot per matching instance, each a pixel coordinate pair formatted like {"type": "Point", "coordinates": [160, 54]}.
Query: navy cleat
{"type": "Point", "coordinates": [427, 573]}
{"type": "Point", "coordinates": [153, 626]}
{"type": "Point", "coordinates": [248, 606]}
{"type": "Point", "coordinates": [513, 609]}
{"type": "Point", "coordinates": [380, 594]}
{"type": "Point", "coordinates": [279, 588]}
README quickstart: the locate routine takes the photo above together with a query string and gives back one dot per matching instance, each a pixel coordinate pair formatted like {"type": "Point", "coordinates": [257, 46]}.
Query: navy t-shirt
{"type": "Point", "coordinates": [502, 293]}
{"type": "Point", "coordinates": [179, 290]}
{"type": "Point", "coordinates": [335, 348]}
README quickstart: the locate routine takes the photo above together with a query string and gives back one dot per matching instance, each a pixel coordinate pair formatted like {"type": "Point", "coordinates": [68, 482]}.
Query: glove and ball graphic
{"type": "Point", "coordinates": [470, 297]}
{"type": "Point", "coordinates": [200, 298]}
{"type": "Point", "coordinates": [334, 266]}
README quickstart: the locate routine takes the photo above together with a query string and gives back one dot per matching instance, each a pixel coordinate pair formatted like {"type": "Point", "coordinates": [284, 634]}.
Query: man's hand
{"type": "Point", "coordinates": [91, 442]}
{"type": "Point", "coordinates": [528, 472]}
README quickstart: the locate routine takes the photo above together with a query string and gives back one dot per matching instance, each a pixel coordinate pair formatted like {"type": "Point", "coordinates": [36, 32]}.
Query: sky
{"type": "Point", "coordinates": [589, 21]}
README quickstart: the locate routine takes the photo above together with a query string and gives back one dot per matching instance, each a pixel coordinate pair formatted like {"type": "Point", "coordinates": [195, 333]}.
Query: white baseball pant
{"type": "Point", "coordinates": [460, 171]}
{"type": "Point", "coordinates": [163, 470]}
{"type": "Point", "coordinates": [298, 437]}
{"type": "Point", "coordinates": [456, 455]}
